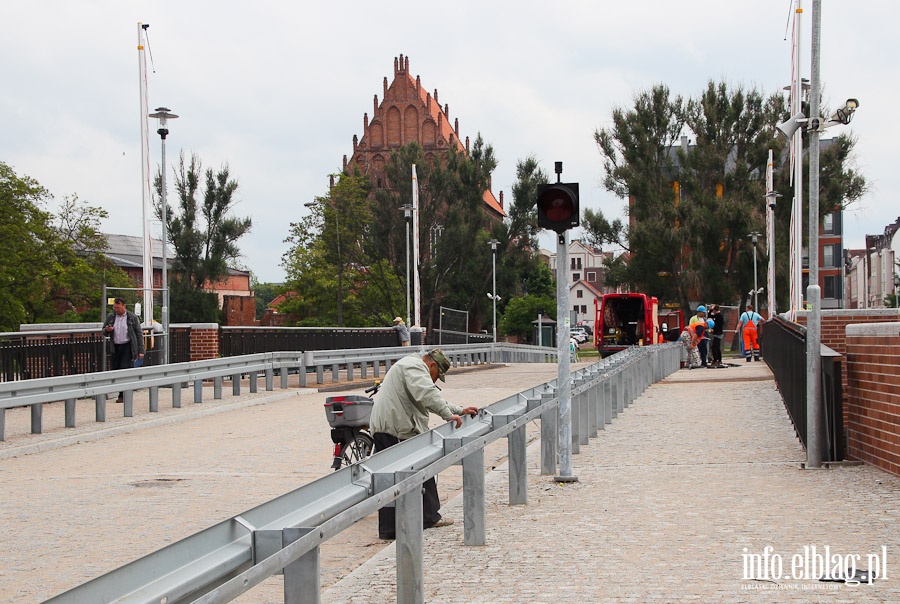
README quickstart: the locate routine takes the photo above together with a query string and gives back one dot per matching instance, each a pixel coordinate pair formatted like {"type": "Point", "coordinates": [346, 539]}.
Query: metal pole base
{"type": "Point", "coordinates": [565, 479]}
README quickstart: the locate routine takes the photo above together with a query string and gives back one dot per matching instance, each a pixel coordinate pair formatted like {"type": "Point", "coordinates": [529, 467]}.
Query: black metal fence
{"type": "Point", "coordinates": [784, 346]}
{"type": "Point", "coordinates": [235, 341]}
{"type": "Point", "coordinates": [26, 356]}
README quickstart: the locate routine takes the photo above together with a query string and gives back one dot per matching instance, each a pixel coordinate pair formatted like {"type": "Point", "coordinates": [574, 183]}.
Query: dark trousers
{"type": "Point", "coordinates": [431, 503]}
{"type": "Point", "coordinates": [716, 351]}
{"type": "Point", "coordinates": [701, 348]}
{"type": "Point", "coordinates": [121, 358]}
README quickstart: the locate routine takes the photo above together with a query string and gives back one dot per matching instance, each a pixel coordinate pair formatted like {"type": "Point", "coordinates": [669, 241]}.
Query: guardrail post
{"type": "Point", "coordinates": [410, 544]}
{"type": "Point", "coordinates": [335, 373]}
{"type": "Point", "coordinates": [473, 497]}
{"type": "Point", "coordinates": [594, 393]}
{"type": "Point", "coordinates": [270, 379]}
{"type": "Point", "coordinates": [518, 467]}
{"type": "Point", "coordinates": [236, 384]}
{"type": "Point", "coordinates": [176, 395]}
{"type": "Point", "coordinates": [217, 387]}
{"type": "Point", "coordinates": [3, 424]}
{"type": "Point", "coordinates": [37, 418]}
{"type": "Point", "coordinates": [549, 437]}
{"type": "Point", "coordinates": [254, 382]}
{"type": "Point", "coordinates": [583, 416]}
{"type": "Point", "coordinates": [154, 399]}
{"type": "Point", "coordinates": [606, 399]}
{"type": "Point", "coordinates": [100, 407]}
{"type": "Point", "coordinates": [302, 583]}
{"type": "Point", "coordinates": [350, 371]}
{"type": "Point", "coordinates": [364, 369]}
{"type": "Point", "coordinates": [128, 403]}
{"type": "Point", "coordinates": [198, 390]}
{"type": "Point", "coordinates": [70, 413]}
{"type": "Point", "coordinates": [284, 378]}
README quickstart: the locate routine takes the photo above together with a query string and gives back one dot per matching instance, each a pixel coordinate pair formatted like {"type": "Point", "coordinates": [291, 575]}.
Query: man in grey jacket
{"type": "Point", "coordinates": [406, 397]}
{"type": "Point", "coordinates": [124, 329]}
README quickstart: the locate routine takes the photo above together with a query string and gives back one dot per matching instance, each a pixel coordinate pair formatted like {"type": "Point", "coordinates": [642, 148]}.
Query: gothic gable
{"type": "Point", "coordinates": [408, 114]}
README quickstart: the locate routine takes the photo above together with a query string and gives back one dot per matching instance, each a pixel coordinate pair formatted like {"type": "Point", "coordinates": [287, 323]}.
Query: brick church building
{"type": "Point", "coordinates": [409, 114]}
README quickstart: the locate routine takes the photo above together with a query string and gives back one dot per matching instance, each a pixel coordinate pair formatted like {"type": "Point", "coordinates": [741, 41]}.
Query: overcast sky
{"type": "Point", "coordinates": [278, 89]}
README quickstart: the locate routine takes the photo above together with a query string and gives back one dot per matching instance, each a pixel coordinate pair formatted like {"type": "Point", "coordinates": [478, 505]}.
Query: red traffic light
{"type": "Point", "coordinates": [557, 206]}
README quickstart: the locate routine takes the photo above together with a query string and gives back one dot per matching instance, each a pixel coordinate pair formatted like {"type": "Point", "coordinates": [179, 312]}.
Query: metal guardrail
{"type": "Point", "coordinates": [283, 535]}
{"type": "Point", "coordinates": [99, 385]}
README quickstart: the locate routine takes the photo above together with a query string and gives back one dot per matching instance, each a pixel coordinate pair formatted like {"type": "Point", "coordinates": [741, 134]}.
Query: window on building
{"type": "Point", "coordinates": [578, 263]}
{"type": "Point", "coordinates": [828, 224]}
{"type": "Point", "coordinates": [583, 309]}
{"type": "Point", "coordinates": [579, 293]}
{"type": "Point", "coordinates": [832, 287]}
{"type": "Point", "coordinates": [576, 276]}
{"type": "Point", "coordinates": [828, 256]}
{"type": "Point", "coordinates": [591, 277]}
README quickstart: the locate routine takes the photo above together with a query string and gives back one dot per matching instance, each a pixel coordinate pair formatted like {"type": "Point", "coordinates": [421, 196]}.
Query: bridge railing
{"type": "Point", "coordinates": [361, 362]}
{"type": "Point", "coordinates": [784, 346]}
{"type": "Point", "coordinates": [282, 536]}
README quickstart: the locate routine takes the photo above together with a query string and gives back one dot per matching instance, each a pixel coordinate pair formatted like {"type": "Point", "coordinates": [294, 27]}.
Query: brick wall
{"type": "Point", "coordinates": [873, 404]}
{"type": "Point", "coordinates": [834, 326]}
{"type": "Point", "coordinates": [204, 341]}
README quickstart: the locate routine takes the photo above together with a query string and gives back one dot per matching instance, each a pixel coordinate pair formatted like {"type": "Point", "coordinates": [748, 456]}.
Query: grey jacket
{"type": "Point", "coordinates": [134, 332]}
{"type": "Point", "coordinates": [406, 397]}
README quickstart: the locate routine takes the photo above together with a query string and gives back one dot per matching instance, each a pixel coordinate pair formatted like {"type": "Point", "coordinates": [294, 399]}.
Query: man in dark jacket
{"type": "Point", "coordinates": [718, 333]}
{"type": "Point", "coordinates": [124, 329]}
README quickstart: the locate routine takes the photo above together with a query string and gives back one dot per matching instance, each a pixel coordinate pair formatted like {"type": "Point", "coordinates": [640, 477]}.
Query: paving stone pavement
{"type": "Point", "coordinates": [669, 495]}
{"type": "Point", "coordinates": [697, 474]}
{"type": "Point", "coordinates": [78, 502]}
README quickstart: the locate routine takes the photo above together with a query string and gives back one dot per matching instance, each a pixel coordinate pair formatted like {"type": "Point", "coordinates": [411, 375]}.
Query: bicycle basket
{"type": "Point", "coordinates": [351, 411]}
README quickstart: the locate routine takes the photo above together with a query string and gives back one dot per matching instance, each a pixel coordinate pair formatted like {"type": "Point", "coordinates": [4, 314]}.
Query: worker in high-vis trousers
{"type": "Point", "coordinates": [747, 326]}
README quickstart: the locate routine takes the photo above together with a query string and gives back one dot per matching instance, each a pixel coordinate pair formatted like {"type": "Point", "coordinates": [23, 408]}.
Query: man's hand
{"type": "Point", "coordinates": [108, 328]}
{"type": "Point", "coordinates": [470, 411]}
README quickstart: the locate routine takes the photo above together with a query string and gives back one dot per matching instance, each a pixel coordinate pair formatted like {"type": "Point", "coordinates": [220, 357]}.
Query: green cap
{"type": "Point", "coordinates": [441, 361]}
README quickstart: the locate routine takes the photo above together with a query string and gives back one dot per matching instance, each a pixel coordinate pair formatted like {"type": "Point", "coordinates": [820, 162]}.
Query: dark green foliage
{"type": "Point", "coordinates": [52, 267]}
{"type": "Point", "coordinates": [692, 210]}
{"type": "Point", "coordinates": [202, 233]}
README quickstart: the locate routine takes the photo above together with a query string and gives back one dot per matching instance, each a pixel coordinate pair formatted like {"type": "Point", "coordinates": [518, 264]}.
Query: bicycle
{"type": "Point", "coordinates": [348, 417]}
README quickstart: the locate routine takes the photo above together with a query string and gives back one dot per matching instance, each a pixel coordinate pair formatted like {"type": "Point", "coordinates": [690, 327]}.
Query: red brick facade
{"type": "Point", "coordinates": [873, 384]}
{"type": "Point", "coordinates": [409, 114]}
{"type": "Point", "coordinates": [204, 341]}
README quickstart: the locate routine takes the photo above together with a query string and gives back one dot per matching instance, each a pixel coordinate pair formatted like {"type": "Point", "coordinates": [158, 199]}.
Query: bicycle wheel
{"type": "Point", "coordinates": [358, 450]}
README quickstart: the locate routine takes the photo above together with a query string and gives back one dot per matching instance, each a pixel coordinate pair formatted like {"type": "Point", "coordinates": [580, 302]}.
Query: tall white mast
{"type": "Point", "coordinates": [145, 182]}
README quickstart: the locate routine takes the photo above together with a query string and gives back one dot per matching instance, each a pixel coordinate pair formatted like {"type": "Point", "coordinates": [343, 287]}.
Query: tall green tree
{"type": "Point", "coordinates": [53, 267]}
{"type": "Point", "coordinates": [691, 208]}
{"type": "Point", "coordinates": [336, 280]}
{"type": "Point", "coordinates": [203, 234]}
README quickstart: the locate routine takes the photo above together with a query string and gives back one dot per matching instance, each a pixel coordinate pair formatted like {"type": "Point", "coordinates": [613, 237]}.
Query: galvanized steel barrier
{"type": "Point", "coordinates": [35, 393]}
{"type": "Point", "coordinates": [282, 536]}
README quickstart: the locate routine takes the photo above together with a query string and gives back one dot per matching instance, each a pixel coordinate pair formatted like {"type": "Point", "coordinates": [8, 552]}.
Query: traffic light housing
{"type": "Point", "coordinates": [557, 206]}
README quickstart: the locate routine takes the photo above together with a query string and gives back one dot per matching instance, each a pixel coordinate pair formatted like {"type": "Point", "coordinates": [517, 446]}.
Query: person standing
{"type": "Point", "coordinates": [747, 326]}
{"type": "Point", "coordinates": [124, 329]}
{"type": "Point", "coordinates": [718, 332]}
{"type": "Point", "coordinates": [406, 397]}
{"type": "Point", "coordinates": [402, 331]}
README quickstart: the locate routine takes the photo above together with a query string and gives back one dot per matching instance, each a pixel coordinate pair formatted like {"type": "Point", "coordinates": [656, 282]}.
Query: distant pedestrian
{"type": "Point", "coordinates": [718, 332]}
{"type": "Point", "coordinates": [402, 331]}
{"type": "Point", "coordinates": [747, 326]}
{"type": "Point", "coordinates": [127, 342]}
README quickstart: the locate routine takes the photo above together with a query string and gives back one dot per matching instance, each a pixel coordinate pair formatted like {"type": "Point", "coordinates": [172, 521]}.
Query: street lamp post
{"type": "Point", "coordinates": [337, 236]}
{"type": "Point", "coordinates": [754, 237]}
{"type": "Point", "coordinates": [494, 295]}
{"type": "Point", "coordinates": [163, 115]}
{"type": "Point", "coordinates": [407, 215]}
